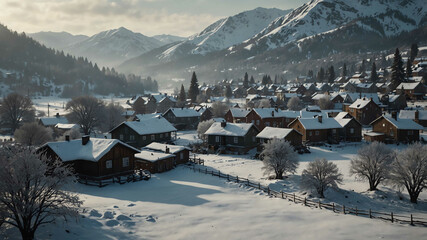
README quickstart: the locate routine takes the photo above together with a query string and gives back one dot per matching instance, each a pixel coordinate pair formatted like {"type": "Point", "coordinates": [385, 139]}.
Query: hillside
{"type": "Point", "coordinates": [26, 66]}
{"type": "Point", "coordinates": [167, 39]}
{"type": "Point", "coordinates": [57, 40]}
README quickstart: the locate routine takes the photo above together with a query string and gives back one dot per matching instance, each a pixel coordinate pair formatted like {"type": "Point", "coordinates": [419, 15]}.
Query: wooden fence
{"type": "Point", "coordinates": [197, 160]}
{"type": "Point", "coordinates": [336, 208]}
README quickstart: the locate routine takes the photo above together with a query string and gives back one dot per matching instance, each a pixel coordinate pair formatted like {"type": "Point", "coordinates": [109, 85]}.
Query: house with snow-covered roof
{"type": "Point", "coordinates": [291, 135]}
{"type": "Point", "coordinates": [182, 153]}
{"type": "Point", "coordinates": [154, 161]}
{"type": "Point", "coordinates": [317, 129]}
{"type": "Point", "coordinates": [52, 121]}
{"type": "Point", "coordinates": [143, 132]}
{"type": "Point", "coordinates": [266, 117]}
{"type": "Point", "coordinates": [93, 159]}
{"type": "Point", "coordinates": [351, 129]}
{"type": "Point", "coordinates": [396, 129]}
{"type": "Point", "coordinates": [418, 116]}
{"type": "Point", "coordinates": [236, 137]}
{"type": "Point", "coordinates": [364, 110]}
{"type": "Point", "coordinates": [183, 118]}
{"type": "Point", "coordinates": [236, 115]}
{"type": "Point", "coordinates": [413, 91]}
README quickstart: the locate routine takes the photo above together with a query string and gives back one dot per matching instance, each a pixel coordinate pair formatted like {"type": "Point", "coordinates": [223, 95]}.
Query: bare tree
{"type": "Point", "coordinates": [372, 163]}
{"type": "Point", "coordinates": [33, 134]}
{"type": "Point", "coordinates": [325, 103]}
{"type": "Point", "coordinates": [320, 175]}
{"type": "Point", "coordinates": [16, 109]}
{"type": "Point", "coordinates": [294, 104]}
{"type": "Point", "coordinates": [113, 117]}
{"type": "Point", "coordinates": [31, 190]}
{"type": "Point", "coordinates": [409, 170]}
{"type": "Point", "coordinates": [203, 127]}
{"type": "Point", "coordinates": [87, 111]}
{"type": "Point", "coordinates": [279, 157]}
{"type": "Point", "coordinates": [219, 109]}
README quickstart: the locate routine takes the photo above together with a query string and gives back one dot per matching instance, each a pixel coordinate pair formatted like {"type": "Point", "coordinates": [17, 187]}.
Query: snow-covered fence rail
{"type": "Point", "coordinates": [197, 161]}
{"type": "Point", "coordinates": [336, 208]}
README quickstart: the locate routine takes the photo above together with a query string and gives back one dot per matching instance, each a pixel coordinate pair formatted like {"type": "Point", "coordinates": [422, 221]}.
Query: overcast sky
{"type": "Point", "coordinates": [149, 17]}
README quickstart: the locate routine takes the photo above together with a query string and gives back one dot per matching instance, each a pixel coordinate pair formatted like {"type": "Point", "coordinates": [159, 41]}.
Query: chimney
{"type": "Point", "coordinates": [167, 150]}
{"type": "Point", "coordinates": [272, 113]}
{"type": "Point", "coordinates": [320, 118]}
{"type": "Point", "coordinates": [85, 139]}
{"type": "Point", "coordinates": [394, 115]}
{"type": "Point", "coordinates": [417, 116]}
{"type": "Point", "coordinates": [67, 138]}
{"type": "Point", "coordinates": [223, 124]}
{"type": "Point", "coordinates": [57, 115]}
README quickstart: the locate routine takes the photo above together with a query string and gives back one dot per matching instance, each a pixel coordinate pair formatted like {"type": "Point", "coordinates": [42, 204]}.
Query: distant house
{"type": "Point", "coordinates": [394, 102]}
{"type": "Point", "coordinates": [52, 121]}
{"type": "Point", "coordinates": [364, 110]}
{"type": "Point", "coordinates": [266, 117]}
{"type": "Point", "coordinates": [159, 103]}
{"type": "Point", "coordinates": [205, 114]}
{"type": "Point", "coordinates": [138, 102]}
{"type": "Point", "coordinates": [182, 153]}
{"type": "Point", "coordinates": [366, 88]}
{"type": "Point", "coordinates": [237, 137]}
{"type": "Point", "coordinates": [154, 161]}
{"type": "Point", "coordinates": [141, 133]}
{"type": "Point", "coordinates": [61, 128]}
{"type": "Point", "coordinates": [94, 159]}
{"type": "Point", "coordinates": [183, 118]}
{"type": "Point", "coordinates": [318, 129]}
{"type": "Point", "coordinates": [397, 129]}
{"type": "Point", "coordinates": [288, 134]}
{"type": "Point", "coordinates": [413, 91]}
{"type": "Point", "coordinates": [236, 115]}
{"type": "Point", "coordinates": [418, 116]}
{"type": "Point", "coordinates": [351, 129]}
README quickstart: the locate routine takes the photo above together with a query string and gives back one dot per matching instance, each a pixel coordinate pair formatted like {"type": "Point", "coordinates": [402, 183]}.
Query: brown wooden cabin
{"type": "Point", "coordinates": [96, 158]}
{"type": "Point", "coordinates": [182, 153]}
{"type": "Point", "coordinates": [291, 135]}
{"type": "Point", "coordinates": [351, 130]}
{"type": "Point", "coordinates": [266, 117]}
{"type": "Point", "coordinates": [236, 115]}
{"type": "Point", "coordinates": [364, 110]}
{"type": "Point", "coordinates": [396, 129]}
{"type": "Point", "coordinates": [155, 162]}
{"type": "Point", "coordinates": [317, 129]}
{"type": "Point", "coordinates": [412, 91]}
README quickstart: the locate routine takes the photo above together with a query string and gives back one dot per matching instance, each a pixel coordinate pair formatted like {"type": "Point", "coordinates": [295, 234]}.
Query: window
{"type": "Point", "coordinates": [109, 164]}
{"type": "Point", "coordinates": [257, 122]}
{"type": "Point", "coordinates": [216, 138]}
{"type": "Point", "coordinates": [144, 138]}
{"type": "Point", "coordinates": [310, 133]}
{"type": "Point", "coordinates": [181, 155]}
{"type": "Point", "coordinates": [125, 162]}
{"type": "Point", "coordinates": [236, 140]}
{"type": "Point", "coordinates": [153, 137]}
{"type": "Point", "coordinates": [161, 135]}
{"type": "Point", "coordinates": [121, 137]}
{"type": "Point", "coordinates": [267, 124]}
{"type": "Point", "coordinates": [132, 137]}
{"type": "Point", "coordinates": [383, 124]}
{"type": "Point", "coordinates": [391, 133]}
{"type": "Point", "coordinates": [317, 133]}
{"type": "Point", "coordinates": [334, 131]}
{"type": "Point", "coordinates": [351, 130]}
{"type": "Point", "coordinates": [410, 132]}
{"type": "Point", "coordinates": [254, 139]}
{"type": "Point", "coordinates": [288, 120]}
{"type": "Point", "coordinates": [166, 134]}
{"type": "Point", "coordinates": [253, 121]}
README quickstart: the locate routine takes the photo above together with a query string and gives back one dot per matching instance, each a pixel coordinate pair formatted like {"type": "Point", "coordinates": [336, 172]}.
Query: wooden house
{"type": "Point", "coordinates": [266, 117]}
{"type": "Point", "coordinates": [394, 102]}
{"type": "Point", "coordinates": [288, 134]}
{"type": "Point", "coordinates": [317, 129]}
{"type": "Point", "coordinates": [412, 91]}
{"type": "Point", "coordinates": [236, 137]}
{"type": "Point", "coordinates": [364, 110]}
{"type": "Point", "coordinates": [183, 118]}
{"type": "Point", "coordinates": [351, 129]}
{"type": "Point", "coordinates": [138, 103]}
{"type": "Point", "coordinates": [205, 114]}
{"type": "Point", "coordinates": [154, 161]}
{"type": "Point", "coordinates": [182, 153]}
{"type": "Point", "coordinates": [236, 115]}
{"type": "Point", "coordinates": [418, 116]}
{"type": "Point", "coordinates": [94, 159]}
{"type": "Point", "coordinates": [141, 133]}
{"type": "Point", "coordinates": [397, 129]}
{"type": "Point", "coordinates": [52, 121]}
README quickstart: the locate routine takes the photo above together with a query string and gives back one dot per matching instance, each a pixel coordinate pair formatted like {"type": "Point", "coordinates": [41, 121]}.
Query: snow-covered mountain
{"type": "Point", "coordinates": [57, 40]}
{"type": "Point", "coordinates": [385, 17]}
{"type": "Point", "coordinates": [112, 47]}
{"type": "Point", "coordinates": [166, 38]}
{"type": "Point", "coordinates": [224, 33]}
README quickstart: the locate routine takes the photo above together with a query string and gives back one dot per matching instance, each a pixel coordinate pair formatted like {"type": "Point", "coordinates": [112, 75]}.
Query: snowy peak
{"type": "Point", "coordinates": [112, 47]}
{"type": "Point", "coordinates": [386, 17]}
{"type": "Point", "coordinates": [167, 39]}
{"type": "Point", "coordinates": [225, 32]}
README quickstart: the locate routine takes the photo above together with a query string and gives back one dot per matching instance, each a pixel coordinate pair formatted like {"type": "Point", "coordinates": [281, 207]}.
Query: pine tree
{"type": "Point", "coordinates": [331, 74]}
{"type": "Point", "coordinates": [344, 70]}
{"type": "Point", "coordinates": [228, 92]}
{"type": "Point", "coordinates": [362, 67]}
{"type": "Point", "coordinates": [321, 75]}
{"type": "Point", "coordinates": [252, 81]}
{"type": "Point", "coordinates": [264, 80]}
{"type": "Point", "coordinates": [408, 69]}
{"type": "Point", "coordinates": [193, 91]}
{"type": "Point", "coordinates": [182, 96]}
{"type": "Point", "coordinates": [414, 51]}
{"type": "Point", "coordinates": [246, 81]}
{"type": "Point", "coordinates": [374, 75]}
{"type": "Point", "coordinates": [397, 71]}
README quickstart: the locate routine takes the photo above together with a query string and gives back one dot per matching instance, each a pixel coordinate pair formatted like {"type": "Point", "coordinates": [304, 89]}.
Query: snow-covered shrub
{"type": "Point", "coordinates": [409, 170]}
{"type": "Point", "coordinates": [33, 134]}
{"type": "Point", "coordinates": [372, 163]}
{"type": "Point", "coordinates": [279, 158]}
{"type": "Point", "coordinates": [294, 104]}
{"type": "Point", "coordinates": [320, 175]}
{"type": "Point", "coordinates": [203, 127]}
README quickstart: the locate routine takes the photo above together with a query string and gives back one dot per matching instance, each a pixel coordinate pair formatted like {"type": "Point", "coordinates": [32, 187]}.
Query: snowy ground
{"type": "Point", "coordinates": [184, 138]}
{"type": "Point", "coordinates": [181, 204]}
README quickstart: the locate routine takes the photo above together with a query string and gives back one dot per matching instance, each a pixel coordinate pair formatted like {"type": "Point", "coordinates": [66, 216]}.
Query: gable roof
{"type": "Point", "coordinates": [152, 156]}
{"type": "Point", "coordinates": [52, 121]}
{"type": "Point", "coordinates": [230, 129]}
{"type": "Point", "coordinates": [410, 114]}
{"type": "Point", "coordinates": [268, 112]}
{"type": "Point", "coordinates": [162, 147]}
{"type": "Point", "coordinates": [399, 123]}
{"type": "Point", "coordinates": [149, 126]}
{"type": "Point", "coordinates": [408, 86]}
{"type": "Point", "coordinates": [238, 112]}
{"type": "Point", "coordinates": [184, 112]}
{"type": "Point", "coordinates": [271, 132]}
{"type": "Point", "coordinates": [314, 124]}
{"type": "Point", "coordinates": [361, 103]}
{"type": "Point", "coordinates": [94, 150]}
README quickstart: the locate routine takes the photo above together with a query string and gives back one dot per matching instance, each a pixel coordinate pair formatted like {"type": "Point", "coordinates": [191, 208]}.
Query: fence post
{"type": "Point", "coordinates": [356, 211]}
{"type": "Point", "coordinates": [343, 209]}
{"type": "Point", "coordinates": [206, 171]}
{"type": "Point", "coordinates": [212, 172]}
{"type": "Point", "coordinates": [294, 197]}
{"type": "Point", "coordinates": [370, 213]}
{"type": "Point", "coordinates": [228, 177]}
{"type": "Point", "coordinates": [237, 177]}
{"type": "Point", "coordinates": [281, 191]}
{"type": "Point", "coordinates": [333, 207]}
{"type": "Point", "coordinates": [391, 216]}
{"type": "Point", "coordinates": [412, 220]}
{"type": "Point", "coordinates": [268, 190]}
{"type": "Point", "coordinates": [320, 205]}
{"type": "Point", "coordinates": [305, 201]}
{"type": "Point", "coordinates": [219, 174]}
{"type": "Point", "coordinates": [248, 183]}
{"type": "Point", "coordinates": [259, 186]}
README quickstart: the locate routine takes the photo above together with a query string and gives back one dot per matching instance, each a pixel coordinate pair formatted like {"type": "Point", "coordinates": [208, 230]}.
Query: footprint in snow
{"type": "Point", "coordinates": [95, 213]}
{"type": "Point", "coordinates": [112, 223]}
{"type": "Point", "coordinates": [123, 218]}
{"type": "Point", "coordinates": [150, 219]}
{"type": "Point", "coordinates": [109, 215]}
{"type": "Point", "coordinates": [131, 205]}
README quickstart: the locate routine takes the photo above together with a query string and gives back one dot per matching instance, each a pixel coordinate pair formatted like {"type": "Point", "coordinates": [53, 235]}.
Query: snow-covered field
{"type": "Point", "coordinates": [181, 204]}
